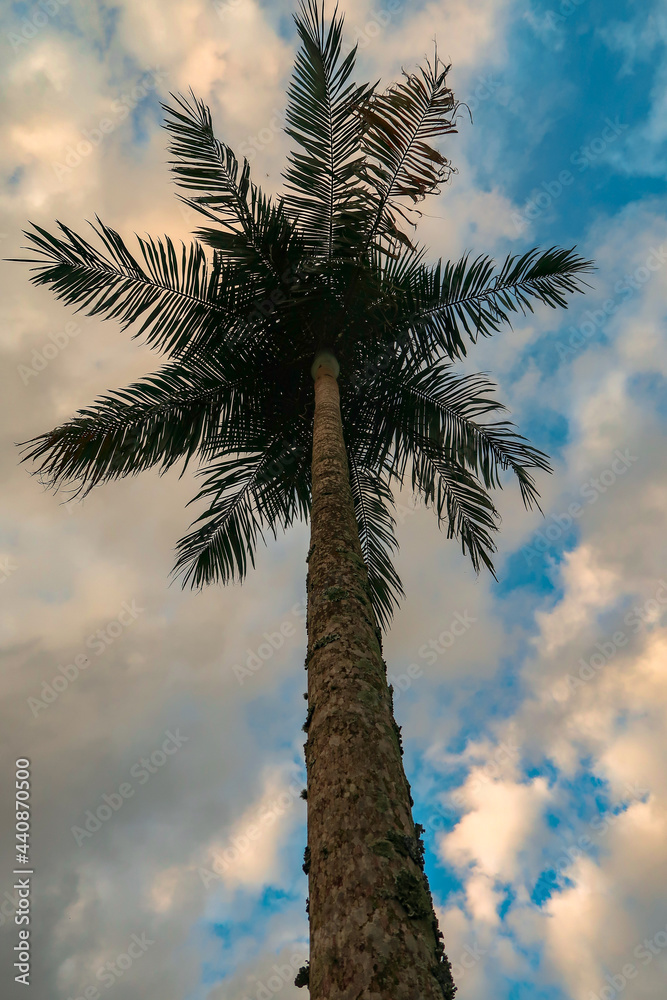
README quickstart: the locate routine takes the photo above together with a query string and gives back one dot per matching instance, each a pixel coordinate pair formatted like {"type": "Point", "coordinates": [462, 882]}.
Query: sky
{"type": "Point", "coordinates": [533, 708]}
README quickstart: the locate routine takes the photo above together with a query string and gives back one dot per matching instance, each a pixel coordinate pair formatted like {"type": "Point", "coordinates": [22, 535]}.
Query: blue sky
{"type": "Point", "coordinates": [535, 744]}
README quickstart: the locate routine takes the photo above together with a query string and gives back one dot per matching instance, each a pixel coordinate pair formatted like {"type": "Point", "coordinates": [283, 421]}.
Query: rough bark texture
{"type": "Point", "coordinates": [373, 931]}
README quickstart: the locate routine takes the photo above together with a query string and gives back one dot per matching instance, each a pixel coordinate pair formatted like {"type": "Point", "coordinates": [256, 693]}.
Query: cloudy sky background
{"type": "Point", "coordinates": [536, 742]}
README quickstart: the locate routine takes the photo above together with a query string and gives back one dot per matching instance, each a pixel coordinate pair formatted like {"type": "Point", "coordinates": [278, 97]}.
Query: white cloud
{"type": "Point", "coordinates": [249, 855]}
{"type": "Point", "coordinates": [501, 816]}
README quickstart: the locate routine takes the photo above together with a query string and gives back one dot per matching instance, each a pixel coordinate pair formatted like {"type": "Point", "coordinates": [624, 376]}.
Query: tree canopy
{"type": "Point", "coordinates": [239, 315]}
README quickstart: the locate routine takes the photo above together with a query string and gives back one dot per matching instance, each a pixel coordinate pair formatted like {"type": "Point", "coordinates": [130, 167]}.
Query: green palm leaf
{"type": "Point", "coordinates": [445, 305]}
{"type": "Point", "coordinates": [459, 500]}
{"type": "Point", "coordinates": [248, 496]}
{"type": "Point", "coordinates": [204, 164]}
{"type": "Point", "coordinates": [445, 408]}
{"type": "Point", "coordinates": [174, 298]}
{"type": "Point", "coordinates": [171, 415]}
{"type": "Point", "coordinates": [427, 422]}
{"type": "Point", "coordinates": [250, 229]}
{"type": "Point", "coordinates": [401, 160]}
{"type": "Point", "coordinates": [373, 503]}
{"type": "Point", "coordinates": [324, 190]}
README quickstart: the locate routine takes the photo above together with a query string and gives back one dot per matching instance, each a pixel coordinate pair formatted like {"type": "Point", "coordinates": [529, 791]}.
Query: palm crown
{"type": "Point", "coordinates": [329, 266]}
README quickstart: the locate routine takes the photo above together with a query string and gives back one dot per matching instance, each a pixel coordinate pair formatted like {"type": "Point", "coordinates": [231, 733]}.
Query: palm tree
{"type": "Point", "coordinates": [324, 285]}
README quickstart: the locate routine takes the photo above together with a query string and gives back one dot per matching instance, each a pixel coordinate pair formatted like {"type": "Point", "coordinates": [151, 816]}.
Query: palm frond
{"type": "Point", "coordinates": [275, 255]}
{"type": "Point", "coordinates": [435, 404]}
{"type": "Point", "coordinates": [171, 415]}
{"type": "Point", "coordinates": [444, 305]}
{"type": "Point", "coordinates": [249, 495]}
{"type": "Point", "coordinates": [401, 159]}
{"type": "Point", "coordinates": [204, 164]}
{"type": "Point", "coordinates": [250, 228]}
{"type": "Point", "coordinates": [175, 298]}
{"type": "Point", "coordinates": [460, 502]}
{"type": "Point", "coordinates": [431, 422]}
{"type": "Point", "coordinates": [324, 190]}
{"type": "Point", "coordinates": [373, 502]}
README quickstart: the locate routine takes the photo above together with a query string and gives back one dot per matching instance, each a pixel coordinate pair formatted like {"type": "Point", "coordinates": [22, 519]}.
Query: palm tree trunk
{"type": "Point", "coordinates": [373, 930]}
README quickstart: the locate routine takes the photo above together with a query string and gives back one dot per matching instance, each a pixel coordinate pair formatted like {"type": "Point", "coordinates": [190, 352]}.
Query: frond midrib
{"type": "Point", "coordinates": [385, 198]}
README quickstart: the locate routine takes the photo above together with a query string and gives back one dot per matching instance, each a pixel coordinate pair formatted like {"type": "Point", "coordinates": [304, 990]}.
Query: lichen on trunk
{"type": "Point", "coordinates": [373, 930]}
